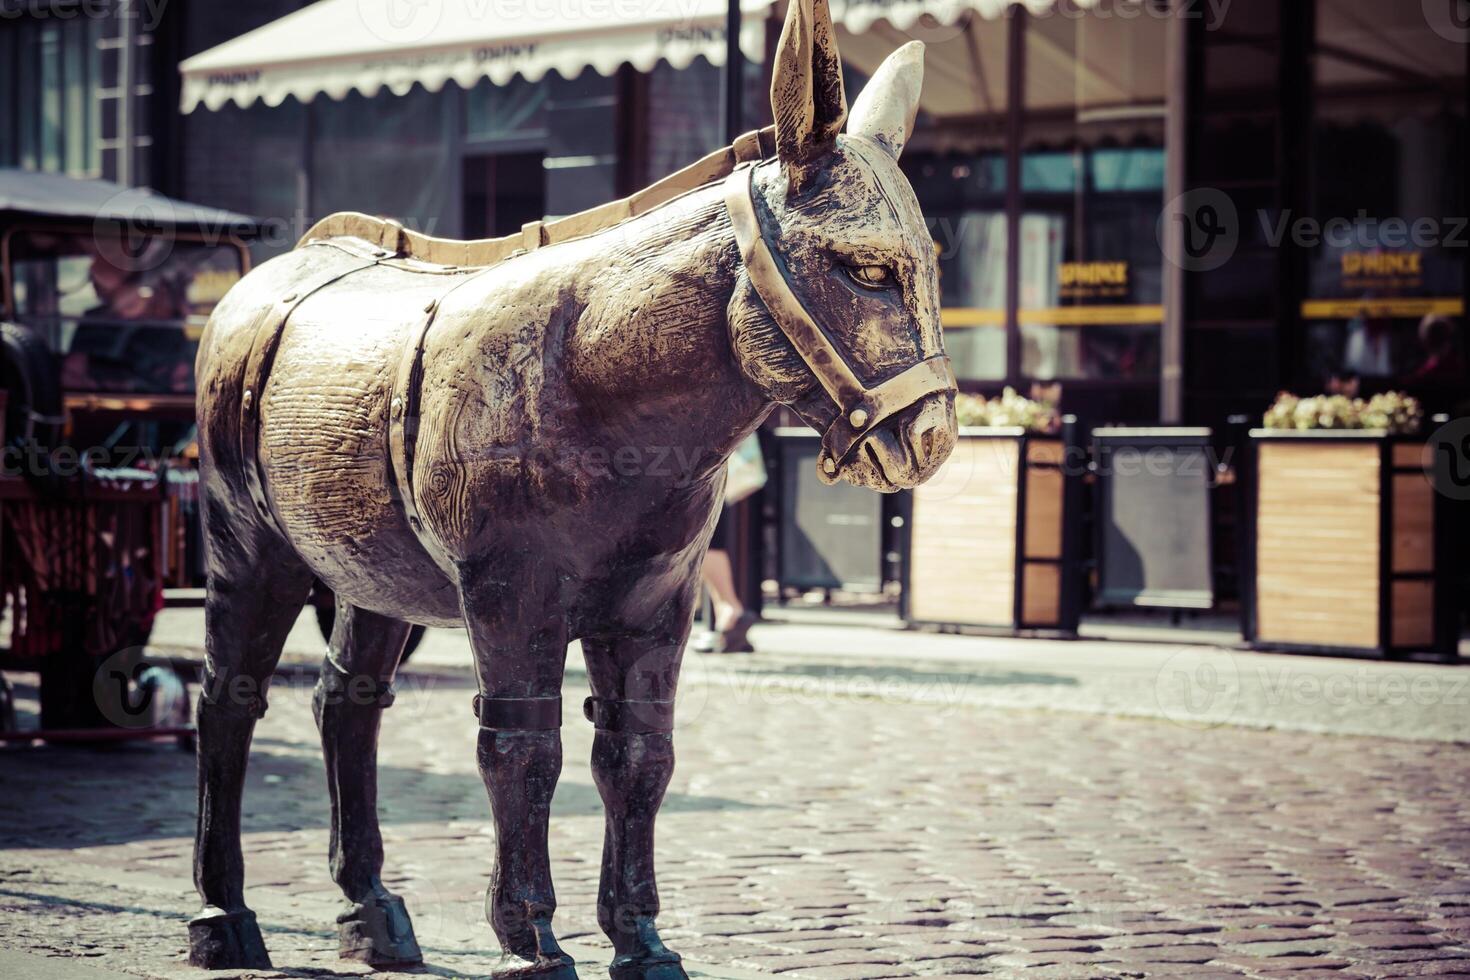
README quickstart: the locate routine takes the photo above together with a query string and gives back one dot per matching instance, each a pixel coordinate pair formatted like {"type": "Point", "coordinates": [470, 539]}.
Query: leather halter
{"type": "Point", "coordinates": [860, 408]}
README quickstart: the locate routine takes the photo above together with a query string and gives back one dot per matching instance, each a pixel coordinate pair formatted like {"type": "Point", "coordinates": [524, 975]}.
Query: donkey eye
{"type": "Point", "coordinates": [871, 276]}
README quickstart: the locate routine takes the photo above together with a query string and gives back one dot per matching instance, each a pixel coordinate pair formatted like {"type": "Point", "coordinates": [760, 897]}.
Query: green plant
{"type": "Point", "coordinates": [1393, 411]}
{"type": "Point", "coordinates": [1010, 409]}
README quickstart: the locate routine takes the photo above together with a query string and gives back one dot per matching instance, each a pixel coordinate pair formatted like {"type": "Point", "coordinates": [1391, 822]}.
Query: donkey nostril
{"type": "Point", "coordinates": [922, 440]}
{"type": "Point", "coordinates": [927, 444]}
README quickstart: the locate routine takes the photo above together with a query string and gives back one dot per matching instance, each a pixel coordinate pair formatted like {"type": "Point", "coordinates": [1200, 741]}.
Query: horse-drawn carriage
{"type": "Point", "coordinates": [104, 292]}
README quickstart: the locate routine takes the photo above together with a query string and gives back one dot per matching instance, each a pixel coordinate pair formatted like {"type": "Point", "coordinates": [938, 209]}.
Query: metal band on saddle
{"type": "Point", "coordinates": [403, 415]}
{"type": "Point", "coordinates": [630, 717]}
{"type": "Point", "coordinates": [860, 409]}
{"type": "Point", "coordinates": [265, 340]}
{"type": "Point", "coordinates": [518, 714]}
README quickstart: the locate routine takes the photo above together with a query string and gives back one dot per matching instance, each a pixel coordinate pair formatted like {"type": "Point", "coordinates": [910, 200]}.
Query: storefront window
{"type": "Point", "coordinates": [956, 162]}
{"type": "Point", "coordinates": [391, 155]}
{"type": "Point", "coordinates": [1090, 291]}
{"type": "Point", "coordinates": [963, 198]}
{"type": "Point", "coordinates": [514, 111]}
{"type": "Point", "coordinates": [48, 72]}
{"type": "Point", "coordinates": [1384, 303]}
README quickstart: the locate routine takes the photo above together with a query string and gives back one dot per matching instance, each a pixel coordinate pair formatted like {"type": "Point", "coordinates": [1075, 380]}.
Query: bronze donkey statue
{"type": "Point", "coordinates": [469, 433]}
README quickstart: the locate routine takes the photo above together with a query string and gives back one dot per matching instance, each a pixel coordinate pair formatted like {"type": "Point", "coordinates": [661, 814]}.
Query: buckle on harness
{"type": "Point", "coordinates": [334, 686]}
{"type": "Point", "coordinates": [630, 717]}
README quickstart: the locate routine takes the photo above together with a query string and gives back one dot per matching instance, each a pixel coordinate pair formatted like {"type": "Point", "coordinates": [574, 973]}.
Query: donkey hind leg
{"type": "Point", "coordinates": [355, 687]}
{"type": "Point", "coordinates": [257, 587]}
{"type": "Point", "coordinates": [632, 706]}
{"type": "Point", "coordinates": [519, 641]}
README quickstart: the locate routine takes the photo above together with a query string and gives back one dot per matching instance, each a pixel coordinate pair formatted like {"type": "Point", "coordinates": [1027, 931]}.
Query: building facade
{"type": "Point", "coordinates": [1169, 209]}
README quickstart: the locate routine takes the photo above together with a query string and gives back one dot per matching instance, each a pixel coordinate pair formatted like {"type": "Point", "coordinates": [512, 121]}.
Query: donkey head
{"type": "Point", "coordinates": [837, 310]}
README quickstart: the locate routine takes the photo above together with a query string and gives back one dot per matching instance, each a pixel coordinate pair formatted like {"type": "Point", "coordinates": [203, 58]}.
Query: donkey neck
{"type": "Point", "coordinates": [652, 342]}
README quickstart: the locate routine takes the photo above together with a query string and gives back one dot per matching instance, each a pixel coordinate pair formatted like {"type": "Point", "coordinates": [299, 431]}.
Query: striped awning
{"type": "Point", "coordinates": [334, 47]}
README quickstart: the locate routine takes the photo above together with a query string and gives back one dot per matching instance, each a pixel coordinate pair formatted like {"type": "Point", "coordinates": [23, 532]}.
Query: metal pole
{"type": "Point", "coordinates": [1015, 106]}
{"type": "Point", "coordinates": [125, 87]}
{"type": "Point", "coordinates": [734, 65]}
{"type": "Point", "coordinates": [1176, 143]}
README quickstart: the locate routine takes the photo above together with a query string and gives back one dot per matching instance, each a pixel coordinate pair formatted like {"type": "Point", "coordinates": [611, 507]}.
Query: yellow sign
{"type": "Point", "coordinates": [1382, 264]}
{"type": "Point", "coordinates": [1094, 273]}
{"type": "Point", "coordinates": [1382, 309]}
{"type": "Point", "coordinates": [1382, 270]}
{"type": "Point", "coordinates": [961, 317]}
{"type": "Point", "coordinates": [1093, 316]}
{"type": "Point", "coordinates": [1093, 280]}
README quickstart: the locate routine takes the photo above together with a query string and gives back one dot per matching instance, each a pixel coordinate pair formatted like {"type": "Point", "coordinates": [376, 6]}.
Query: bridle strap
{"type": "Point", "coordinates": [928, 377]}
{"type": "Point", "coordinates": [790, 315]}
{"type": "Point", "coordinates": [860, 409]}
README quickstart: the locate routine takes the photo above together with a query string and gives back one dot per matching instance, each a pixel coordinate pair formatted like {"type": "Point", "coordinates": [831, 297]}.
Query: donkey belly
{"type": "Point", "coordinates": [324, 444]}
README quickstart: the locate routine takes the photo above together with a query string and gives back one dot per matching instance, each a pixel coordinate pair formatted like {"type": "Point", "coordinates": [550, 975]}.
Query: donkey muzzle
{"type": "Point", "coordinates": [905, 451]}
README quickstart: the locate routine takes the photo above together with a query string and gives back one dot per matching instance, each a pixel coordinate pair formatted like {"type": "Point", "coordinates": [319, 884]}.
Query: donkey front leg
{"type": "Point", "coordinates": [519, 640]}
{"type": "Point", "coordinates": [633, 680]}
{"type": "Point", "coordinates": [355, 687]}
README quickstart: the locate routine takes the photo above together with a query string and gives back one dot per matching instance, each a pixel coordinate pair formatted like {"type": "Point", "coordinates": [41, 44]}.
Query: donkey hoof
{"type": "Point", "coordinates": [660, 966]}
{"type": "Point", "coordinates": [220, 940]}
{"type": "Point", "coordinates": [559, 966]}
{"type": "Point", "coordinates": [378, 932]}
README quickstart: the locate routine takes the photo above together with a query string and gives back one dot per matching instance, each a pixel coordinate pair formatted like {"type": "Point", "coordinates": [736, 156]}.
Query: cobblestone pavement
{"type": "Point", "coordinates": [1193, 682]}
{"type": "Point", "coordinates": [837, 830]}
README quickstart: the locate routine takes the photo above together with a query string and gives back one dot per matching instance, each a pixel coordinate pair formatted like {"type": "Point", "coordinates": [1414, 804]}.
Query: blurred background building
{"type": "Point", "coordinates": [1170, 208]}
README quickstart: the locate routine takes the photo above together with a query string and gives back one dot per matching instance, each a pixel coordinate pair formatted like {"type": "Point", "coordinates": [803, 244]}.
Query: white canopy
{"type": "Point", "coordinates": [337, 46]}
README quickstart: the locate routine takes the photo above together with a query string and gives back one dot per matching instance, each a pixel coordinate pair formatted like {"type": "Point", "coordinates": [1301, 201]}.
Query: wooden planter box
{"type": "Point", "coordinates": [990, 539]}
{"type": "Point", "coordinates": [1343, 552]}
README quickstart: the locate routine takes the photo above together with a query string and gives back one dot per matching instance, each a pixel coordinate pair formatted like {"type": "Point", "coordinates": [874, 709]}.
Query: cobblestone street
{"type": "Point", "coordinates": [843, 830]}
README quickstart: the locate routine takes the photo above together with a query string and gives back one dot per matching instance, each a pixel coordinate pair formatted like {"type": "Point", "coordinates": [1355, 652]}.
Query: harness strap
{"type": "Point", "coordinates": [860, 409]}
{"type": "Point", "coordinates": [267, 338]}
{"type": "Point", "coordinates": [240, 705]}
{"type": "Point", "coordinates": [630, 717]}
{"type": "Point", "coordinates": [888, 399]}
{"type": "Point", "coordinates": [403, 419]}
{"type": "Point", "coordinates": [335, 684]}
{"type": "Point", "coordinates": [518, 714]}
{"type": "Point", "coordinates": [770, 284]}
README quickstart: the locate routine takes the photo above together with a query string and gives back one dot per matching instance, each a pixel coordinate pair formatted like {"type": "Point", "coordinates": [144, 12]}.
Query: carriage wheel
{"type": "Point", "coordinates": [28, 371]}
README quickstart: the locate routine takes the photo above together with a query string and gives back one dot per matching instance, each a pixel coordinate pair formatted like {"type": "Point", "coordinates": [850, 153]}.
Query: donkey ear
{"type": "Point", "coordinates": [807, 100]}
{"type": "Point", "coordinates": [885, 109]}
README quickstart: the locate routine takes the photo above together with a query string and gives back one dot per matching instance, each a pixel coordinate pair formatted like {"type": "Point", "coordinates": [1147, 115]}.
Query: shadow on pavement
{"type": "Point", "coordinates": [71, 796]}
